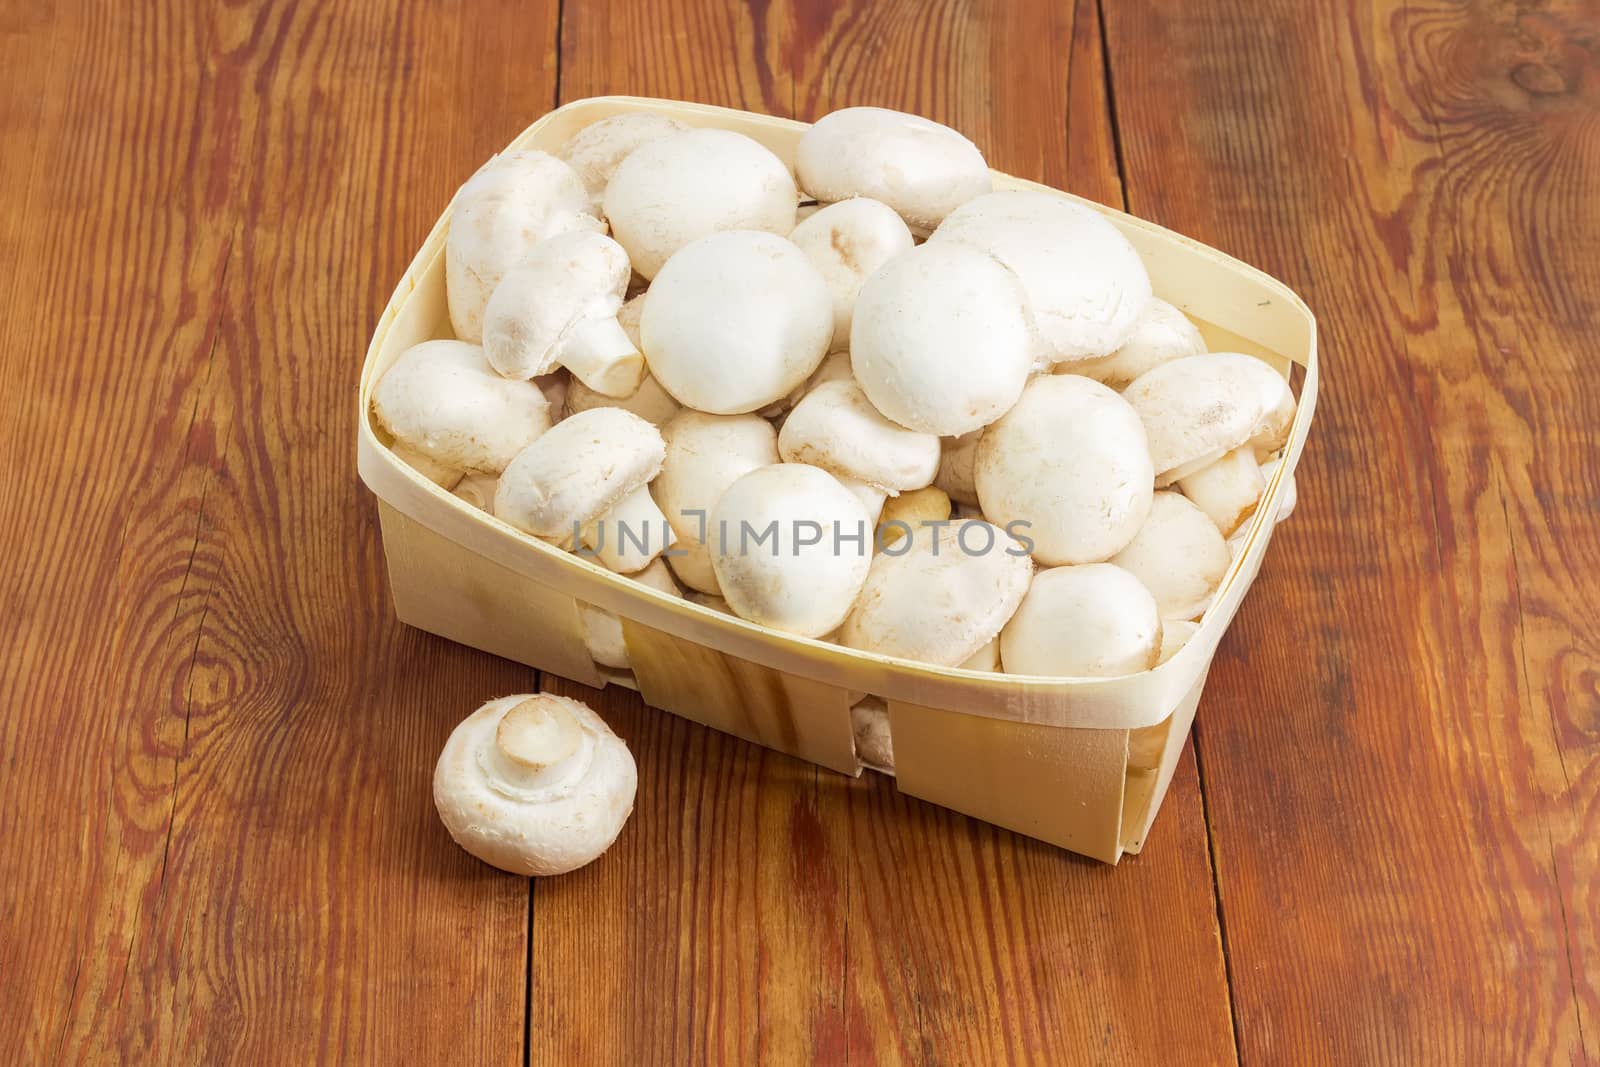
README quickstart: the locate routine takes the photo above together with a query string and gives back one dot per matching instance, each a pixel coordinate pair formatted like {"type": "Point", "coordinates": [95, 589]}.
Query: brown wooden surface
{"type": "Point", "coordinates": [216, 838]}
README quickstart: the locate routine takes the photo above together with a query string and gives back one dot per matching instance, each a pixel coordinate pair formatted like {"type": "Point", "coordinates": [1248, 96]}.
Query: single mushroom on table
{"type": "Point", "coordinates": [835, 427]}
{"type": "Point", "coordinates": [1068, 469]}
{"type": "Point", "coordinates": [1211, 419]}
{"type": "Point", "coordinates": [1089, 621]}
{"type": "Point", "coordinates": [704, 455]}
{"type": "Point", "coordinates": [535, 784]}
{"type": "Point", "coordinates": [921, 169]}
{"type": "Point", "coordinates": [941, 340]}
{"type": "Point", "coordinates": [596, 151]}
{"type": "Point", "coordinates": [941, 598]}
{"type": "Point", "coordinates": [846, 242]}
{"type": "Point", "coordinates": [734, 321]}
{"type": "Point", "coordinates": [676, 189]}
{"type": "Point", "coordinates": [587, 480]}
{"type": "Point", "coordinates": [450, 413]}
{"type": "Point", "coordinates": [503, 211]}
{"type": "Point", "coordinates": [791, 547]}
{"type": "Point", "coordinates": [1179, 555]}
{"type": "Point", "coordinates": [1160, 335]}
{"type": "Point", "coordinates": [602, 629]}
{"type": "Point", "coordinates": [558, 307]}
{"type": "Point", "coordinates": [1085, 284]}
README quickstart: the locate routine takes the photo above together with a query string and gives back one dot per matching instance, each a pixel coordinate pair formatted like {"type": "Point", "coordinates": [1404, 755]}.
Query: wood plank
{"type": "Point", "coordinates": [758, 908]}
{"type": "Point", "coordinates": [223, 780]}
{"type": "Point", "coordinates": [1400, 740]}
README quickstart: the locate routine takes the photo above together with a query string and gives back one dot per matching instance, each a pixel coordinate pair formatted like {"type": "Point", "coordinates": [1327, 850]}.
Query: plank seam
{"type": "Point", "coordinates": [1216, 895]}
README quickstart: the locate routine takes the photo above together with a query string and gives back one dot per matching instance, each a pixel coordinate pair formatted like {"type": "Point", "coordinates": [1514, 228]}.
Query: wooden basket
{"type": "Point", "coordinates": [1080, 763]}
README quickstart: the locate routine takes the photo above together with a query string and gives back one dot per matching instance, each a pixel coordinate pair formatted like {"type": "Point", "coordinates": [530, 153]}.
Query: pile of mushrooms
{"type": "Point", "coordinates": [866, 399]}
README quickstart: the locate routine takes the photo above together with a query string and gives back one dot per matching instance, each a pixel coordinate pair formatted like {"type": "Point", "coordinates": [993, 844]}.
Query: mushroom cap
{"type": "Point", "coordinates": [921, 169]}
{"type": "Point", "coordinates": [942, 598]}
{"type": "Point", "coordinates": [564, 281]}
{"type": "Point", "coordinates": [905, 514]}
{"type": "Point", "coordinates": [602, 629]}
{"type": "Point", "coordinates": [735, 321]}
{"type": "Point", "coordinates": [443, 401]}
{"type": "Point", "coordinates": [1179, 555]}
{"type": "Point", "coordinates": [1197, 408]}
{"type": "Point", "coordinates": [596, 151]}
{"type": "Point", "coordinates": [704, 455]}
{"type": "Point", "coordinates": [1174, 635]}
{"type": "Point", "coordinates": [869, 724]}
{"type": "Point", "coordinates": [582, 467]}
{"type": "Point", "coordinates": [835, 427]}
{"type": "Point", "coordinates": [533, 821]}
{"type": "Point", "coordinates": [650, 402]}
{"type": "Point", "coordinates": [780, 580]}
{"type": "Point", "coordinates": [1092, 621]}
{"type": "Point", "coordinates": [679, 188]}
{"type": "Point", "coordinates": [1071, 463]}
{"type": "Point", "coordinates": [846, 242]}
{"type": "Point", "coordinates": [1085, 283]}
{"type": "Point", "coordinates": [1161, 334]}
{"type": "Point", "coordinates": [512, 203]}
{"type": "Point", "coordinates": [941, 340]}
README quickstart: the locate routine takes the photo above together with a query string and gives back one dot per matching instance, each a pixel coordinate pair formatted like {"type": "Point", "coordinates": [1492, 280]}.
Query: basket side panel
{"type": "Point", "coordinates": [1058, 784]}
{"type": "Point", "coordinates": [783, 711]}
{"type": "Point", "coordinates": [1152, 758]}
{"type": "Point", "coordinates": [447, 589]}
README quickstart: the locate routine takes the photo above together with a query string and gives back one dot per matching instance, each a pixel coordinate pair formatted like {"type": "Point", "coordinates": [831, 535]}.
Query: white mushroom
{"type": "Point", "coordinates": [835, 427]}
{"type": "Point", "coordinates": [535, 784]}
{"type": "Point", "coordinates": [986, 658]}
{"type": "Point", "coordinates": [955, 468]}
{"type": "Point", "coordinates": [942, 597]}
{"type": "Point", "coordinates": [1178, 555]}
{"type": "Point", "coordinates": [478, 490]}
{"type": "Point", "coordinates": [919, 168]}
{"type": "Point", "coordinates": [1092, 621]}
{"type": "Point", "coordinates": [559, 307]}
{"type": "Point", "coordinates": [846, 242]}
{"type": "Point", "coordinates": [650, 402]}
{"type": "Point", "coordinates": [1069, 467]}
{"type": "Point", "coordinates": [869, 723]}
{"type": "Point", "coordinates": [1085, 283]}
{"type": "Point", "coordinates": [1288, 497]}
{"type": "Point", "coordinates": [904, 515]}
{"type": "Point", "coordinates": [941, 340]}
{"type": "Point", "coordinates": [511, 204]}
{"type": "Point", "coordinates": [835, 366]}
{"type": "Point", "coordinates": [791, 548]}
{"type": "Point", "coordinates": [443, 402]}
{"type": "Point", "coordinates": [599, 148]}
{"type": "Point", "coordinates": [676, 189]}
{"type": "Point", "coordinates": [1199, 409]}
{"type": "Point", "coordinates": [704, 455]}
{"type": "Point", "coordinates": [587, 480]}
{"type": "Point", "coordinates": [1175, 634]}
{"type": "Point", "coordinates": [602, 629]}
{"type": "Point", "coordinates": [735, 321]}
{"type": "Point", "coordinates": [1161, 334]}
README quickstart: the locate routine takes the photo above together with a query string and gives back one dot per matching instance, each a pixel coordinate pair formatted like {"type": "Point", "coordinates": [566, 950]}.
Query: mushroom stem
{"type": "Point", "coordinates": [631, 534]}
{"type": "Point", "coordinates": [599, 352]}
{"type": "Point", "coordinates": [537, 744]}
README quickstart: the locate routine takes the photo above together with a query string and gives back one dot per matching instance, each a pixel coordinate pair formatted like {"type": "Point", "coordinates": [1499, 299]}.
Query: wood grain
{"type": "Point", "coordinates": [1401, 760]}
{"type": "Point", "coordinates": [758, 909]}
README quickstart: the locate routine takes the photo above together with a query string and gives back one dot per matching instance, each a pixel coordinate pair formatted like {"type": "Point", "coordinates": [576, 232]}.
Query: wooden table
{"type": "Point", "coordinates": [216, 837]}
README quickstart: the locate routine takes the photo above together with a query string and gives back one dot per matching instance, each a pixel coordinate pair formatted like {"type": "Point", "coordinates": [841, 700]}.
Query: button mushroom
{"type": "Point", "coordinates": [835, 427]}
{"type": "Point", "coordinates": [940, 340]}
{"type": "Point", "coordinates": [510, 205]}
{"type": "Point", "coordinates": [846, 242]}
{"type": "Point", "coordinates": [942, 597]}
{"type": "Point", "coordinates": [1069, 464]}
{"type": "Point", "coordinates": [905, 514]}
{"type": "Point", "coordinates": [676, 189]}
{"type": "Point", "coordinates": [602, 630]}
{"type": "Point", "coordinates": [1179, 556]}
{"type": "Point", "coordinates": [1092, 621]}
{"type": "Point", "coordinates": [735, 321]}
{"type": "Point", "coordinates": [704, 455]}
{"type": "Point", "coordinates": [955, 468]}
{"type": "Point", "coordinates": [596, 151]}
{"type": "Point", "coordinates": [448, 408]}
{"type": "Point", "coordinates": [535, 784]}
{"type": "Point", "coordinates": [1200, 409]}
{"type": "Point", "coordinates": [587, 480]}
{"type": "Point", "coordinates": [1085, 283]}
{"type": "Point", "coordinates": [478, 490]}
{"type": "Point", "coordinates": [869, 724]}
{"type": "Point", "coordinates": [791, 548]}
{"type": "Point", "coordinates": [559, 307]}
{"type": "Point", "coordinates": [649, 401]}
{"type": "Point", "coordinates": [921, 169]}
{"type": "Point", "coordinates": [1161, 334]}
